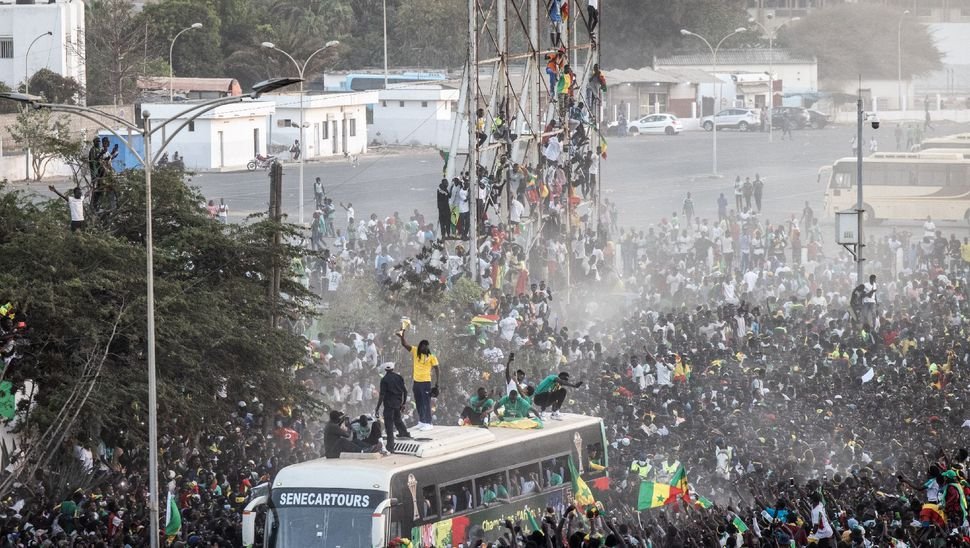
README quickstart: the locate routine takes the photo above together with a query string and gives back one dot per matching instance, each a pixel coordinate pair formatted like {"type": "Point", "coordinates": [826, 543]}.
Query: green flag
{"type": "Point", "coordinates": [581, 493]}
{"type": "Point", "coordinates": [739, 525]}
{"type": "Point", "coordinates": [173, 518]}
{"type": "Point", "coordinates": [533, 524]}
{"type": "Point", "coordinates": [653, 495]}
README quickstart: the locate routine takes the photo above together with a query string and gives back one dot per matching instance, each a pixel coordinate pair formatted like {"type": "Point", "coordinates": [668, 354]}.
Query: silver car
{"type": "Point", "coordinates": [742, 119]}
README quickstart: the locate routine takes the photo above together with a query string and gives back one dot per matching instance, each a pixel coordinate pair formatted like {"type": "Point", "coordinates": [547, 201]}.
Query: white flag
{"type": "Point", "coordinates": [870, 374]}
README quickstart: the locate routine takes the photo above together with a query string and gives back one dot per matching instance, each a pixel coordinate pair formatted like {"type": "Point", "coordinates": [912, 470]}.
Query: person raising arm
{"type": "Point", "coordinates": [425, 365]}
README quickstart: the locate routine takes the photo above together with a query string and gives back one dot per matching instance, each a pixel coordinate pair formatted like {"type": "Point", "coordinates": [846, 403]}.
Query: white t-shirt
{"type": "Point", "coordinates": [516, 211]}
{"type": "Point", "coordinates": [663, 374]}
{"type": "Point", "coordinates": [77, 207]}
{"type": "Point", "coordinates": [821, 520]}
{"type": "Point", "coordinates": [595, 4]}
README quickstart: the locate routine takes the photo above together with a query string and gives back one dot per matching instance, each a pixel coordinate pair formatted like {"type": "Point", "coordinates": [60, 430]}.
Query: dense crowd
{"type": "Point", "coordinates": [803, 403]}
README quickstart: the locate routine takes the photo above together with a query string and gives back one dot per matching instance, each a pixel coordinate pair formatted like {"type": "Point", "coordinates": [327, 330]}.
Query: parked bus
{"type": "Point", "coordinates": [902, 186]}
{"type": "Point", "coordinates": [959, 141]}
{"type": "Point", "coordinates": [455, 485]}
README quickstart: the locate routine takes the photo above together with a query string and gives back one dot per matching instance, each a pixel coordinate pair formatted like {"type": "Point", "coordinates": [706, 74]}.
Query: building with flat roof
{"type": "Point", "coordinates": [334, 124]}
{"type": "Point", "coordinates": [25, 21]}
{"type": "Point", "coordinates": [416, 114]}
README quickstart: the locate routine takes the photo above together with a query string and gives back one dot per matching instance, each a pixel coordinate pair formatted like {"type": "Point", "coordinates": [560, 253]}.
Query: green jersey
{"type": "Point", "coordinates": [480, 405]}
{"type": "Point", "coordinates": [548, 384]}
{"type": "Point", "coordinates": [517, 410]}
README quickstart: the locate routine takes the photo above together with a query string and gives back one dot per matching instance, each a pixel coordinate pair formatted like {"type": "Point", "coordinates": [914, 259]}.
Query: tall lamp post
{"type": "Point", "coordinates": [385, 44]}
{"type": "Point", "coordinates": [27, 90]}
{"type": "Point", "coordinates": [717, 85]}
{"type": "Point", "coordinates": [148, 159]}
{"type": "Point", "coordinates": [899, 62]}
{"type": "Point", "coordinates": [27, 61]}
{"type": "Point", "coordinates": [171, 70]}
{"type": "Point", "coordinates": [772, 34]}
{"type": "Point", "coordinates": [301, 70]}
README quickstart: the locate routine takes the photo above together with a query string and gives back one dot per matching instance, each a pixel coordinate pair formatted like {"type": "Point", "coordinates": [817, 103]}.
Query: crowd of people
{"type": "Point", "coordinates": [805, 405]}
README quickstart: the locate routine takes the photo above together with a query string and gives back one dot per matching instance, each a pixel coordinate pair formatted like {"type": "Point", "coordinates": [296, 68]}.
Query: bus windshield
{"type": "Point", "coordinates": [325, 517]}
{"type": "Point", "coordinates": [329, 527]}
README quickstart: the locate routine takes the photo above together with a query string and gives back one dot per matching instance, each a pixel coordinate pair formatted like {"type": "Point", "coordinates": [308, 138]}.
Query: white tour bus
{"type": "Point", "coordinates": [450, 486]}
{"type": "Point", "coordinates": [960, 141]}
{"type": "Point", "coordinates": [902, 185]}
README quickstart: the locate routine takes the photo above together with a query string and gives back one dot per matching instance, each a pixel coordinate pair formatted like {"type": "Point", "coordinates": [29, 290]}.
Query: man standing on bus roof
{"type": "Point", "coordinates": [424, 364]}
{"type": "Point", "coordinates": [550, 393]}
{"type": "Point", "coordinates": [394, 396]}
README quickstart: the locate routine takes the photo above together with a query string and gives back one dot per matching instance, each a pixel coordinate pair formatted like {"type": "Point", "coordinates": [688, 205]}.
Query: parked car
{"type": "Point", "coordinates": [818, 119]}
{"type": "Point", "coordinates": [798, 116]}
{"type": "Point", "coordinates": [743, 119]}
{"type": "Point", "coordinates": [656, 123]}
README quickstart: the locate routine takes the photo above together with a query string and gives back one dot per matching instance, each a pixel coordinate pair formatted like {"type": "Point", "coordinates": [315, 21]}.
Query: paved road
{"type": "Point", "coordinates": [648, 176]}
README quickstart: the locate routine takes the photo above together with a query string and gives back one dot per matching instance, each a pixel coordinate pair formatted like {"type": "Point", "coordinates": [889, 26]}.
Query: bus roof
{"type": "Point", "coordinates": [444, 443]}
{"type": "Point", "coordinates": [949, 156]}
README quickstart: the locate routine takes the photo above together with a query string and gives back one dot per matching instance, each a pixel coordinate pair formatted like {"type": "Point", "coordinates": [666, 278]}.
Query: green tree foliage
{"type": "Point", "coordinates": [47, 136]}
{"type": "Point", "coordinates": [197, 52]}
{"type": "Point", "coordinates": [847, 44]}
{"type": "Point", "coordinates": [642, 29]}
{"type": "Point", "coordinates": [427, 33]}
{"type": "Point", "coordinates": [54, 87]}
{"type": "Point", "coordinates": [115, 50]}
{"type": "Point", "coordinates": [211, 300]}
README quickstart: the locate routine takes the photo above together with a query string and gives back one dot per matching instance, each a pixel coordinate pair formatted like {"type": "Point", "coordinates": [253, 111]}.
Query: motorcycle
{"type": "Point", "coordinates": [260, 161]}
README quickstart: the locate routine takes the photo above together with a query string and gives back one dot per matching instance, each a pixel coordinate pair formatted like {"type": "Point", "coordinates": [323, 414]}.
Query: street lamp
{"type": "Point", "coordinates": [899, 62]}
{"type": "Point", "coordinates": [27, 61]}
{"type": "Point", "coordinates": [771, 68]}
{"type": "Point", "coordinates": [148, 160]}
{"type": "Point", "coordinates": [301, 70]}
{"type": "Point", "coordinates": [171, 70]}
{"type": "Point", "coordinates": [717, 86]}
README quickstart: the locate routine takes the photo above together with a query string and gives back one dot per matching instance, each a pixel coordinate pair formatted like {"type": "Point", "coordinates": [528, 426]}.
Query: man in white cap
{"type": "Point", "coordinates": [393, 396]}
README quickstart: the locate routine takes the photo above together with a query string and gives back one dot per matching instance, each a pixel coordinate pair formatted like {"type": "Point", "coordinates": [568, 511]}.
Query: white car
{"type": "Point", "coordinates": [656, 123]}
{"type": "Point", "coordinates": [742, 119]}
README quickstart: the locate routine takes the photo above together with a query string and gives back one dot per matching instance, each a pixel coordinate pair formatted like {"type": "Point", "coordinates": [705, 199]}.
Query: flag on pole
{"type": "Point", "coordinates": [581, 492]}
{"type": "Point", "coordinates": [565, 82]}
{"type": "Point", "coordinates": [679, 482]}
{"type": "Point", "coordinates": [533, 524]}
{"type": "Point", "coordinates": [173, 518]}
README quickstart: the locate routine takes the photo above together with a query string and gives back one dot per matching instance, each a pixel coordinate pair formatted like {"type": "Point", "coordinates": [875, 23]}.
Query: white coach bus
{"type": "Point", "coordinates": [454, 485]}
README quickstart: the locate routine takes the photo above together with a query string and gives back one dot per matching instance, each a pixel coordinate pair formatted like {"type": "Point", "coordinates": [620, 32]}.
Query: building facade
{"type": "Point", "coordinates": [334, 124]}
{"type": "Point", "coordinates": [415, 114]}
{"type": "Point", "coordinates": [224, 138]}
{"type": "Point", "coordinates": [25, 21]}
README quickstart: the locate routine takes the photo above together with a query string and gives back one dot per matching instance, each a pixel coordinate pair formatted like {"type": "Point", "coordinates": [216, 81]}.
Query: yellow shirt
{"type": "Point", "coordinates": [422, 365]}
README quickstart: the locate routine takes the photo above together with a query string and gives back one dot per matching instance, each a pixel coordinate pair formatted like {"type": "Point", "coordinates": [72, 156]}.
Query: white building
{"type": "Point", "coordinates": [226, 137]}
{"type": "Point", "coordinates": [416, 114]}
{"type": "Point", "coordinates": [26, 20]}
{"type": "Point", "coordinates": [333, 123]}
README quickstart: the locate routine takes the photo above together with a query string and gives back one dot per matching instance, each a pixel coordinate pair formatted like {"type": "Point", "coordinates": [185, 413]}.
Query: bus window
{"type": "Point", "coordinates": [457, 498]}
{"type": "Point", "coordinates": [525, 480]}
{"type": "Point", "coordinates": [843, 175]}
{"type": "Point", "coordinates": [932, 175]}
{"type": "Point", "coordinates": [957, 176]}
{"type": "Point", "coordinates": [429, 501]}
{"type": "Point", "coordinates": [555, 472]}
{"type": "Point", "coordinates": [492, 489]}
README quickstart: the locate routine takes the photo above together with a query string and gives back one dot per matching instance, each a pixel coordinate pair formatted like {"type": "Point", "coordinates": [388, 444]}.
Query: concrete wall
{"type": "Point", "coordinates": [422, 115]}
{"type": "Point", "coordinates": [58, 52]}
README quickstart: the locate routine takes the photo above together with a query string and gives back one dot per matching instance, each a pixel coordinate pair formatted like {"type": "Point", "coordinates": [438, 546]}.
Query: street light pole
{"type": "Point", "coordinates": [147, 160]}
{"type": "Point", "coordinates": [899, 62]}
{"type": "Point", "coordinates": [27, 61]}
{"type": "Point", "coordinates": [27, 91]}
{"type": "Point", "coordinates": [717, 86]}
{"type": "Point", "coordinates": [171, 51]}
{"type": "Point", "coordinates": [860, 211]}
{"type": "Point", "coordinates": [301, 70]}
{"type": "Point", "coordinates": [772, 34]}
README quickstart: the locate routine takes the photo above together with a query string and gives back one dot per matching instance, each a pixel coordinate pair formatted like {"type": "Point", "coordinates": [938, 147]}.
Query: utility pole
{"type": "Point", "coordinates": [860, 120]}
{"type": "Point", "coordinates": [471, 107]}
{"type": "Point", "coordinates": [276, 216]}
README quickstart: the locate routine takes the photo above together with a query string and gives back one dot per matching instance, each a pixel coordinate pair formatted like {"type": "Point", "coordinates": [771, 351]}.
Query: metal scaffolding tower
{"type": "Point", "coordinates": [518, 92]}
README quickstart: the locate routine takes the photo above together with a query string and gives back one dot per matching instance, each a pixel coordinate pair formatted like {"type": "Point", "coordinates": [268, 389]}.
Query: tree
{"type": "Point", "coordinates": [198, 52]}
{"type": "Point", "coordinates": [55, 88]}
{"type": "Point", "coordinates": [83, 295]}
{"type": "Point", "coordinates": [46, 136]}
{"type": "Point", "coordinates": [417, 33]}
{"type": "Point", "coordinates": [115, 51]}
{"type": "Point", "coordinates": [642, 29]}
{"type": "Point", "coordinates": [844, 51]}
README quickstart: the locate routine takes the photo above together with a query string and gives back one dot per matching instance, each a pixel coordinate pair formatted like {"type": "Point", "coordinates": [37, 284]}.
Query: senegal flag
{"type": "Point", "coordinates": [653, 495]}
{"type": "Point", "coordinates": [173, 518]}
{"type": "Point", "coordinates": [581, 492]}
{"type": "Point", "coordinates": [679, 482]}
{"type": "Point", "coordinates": [565, 82]}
